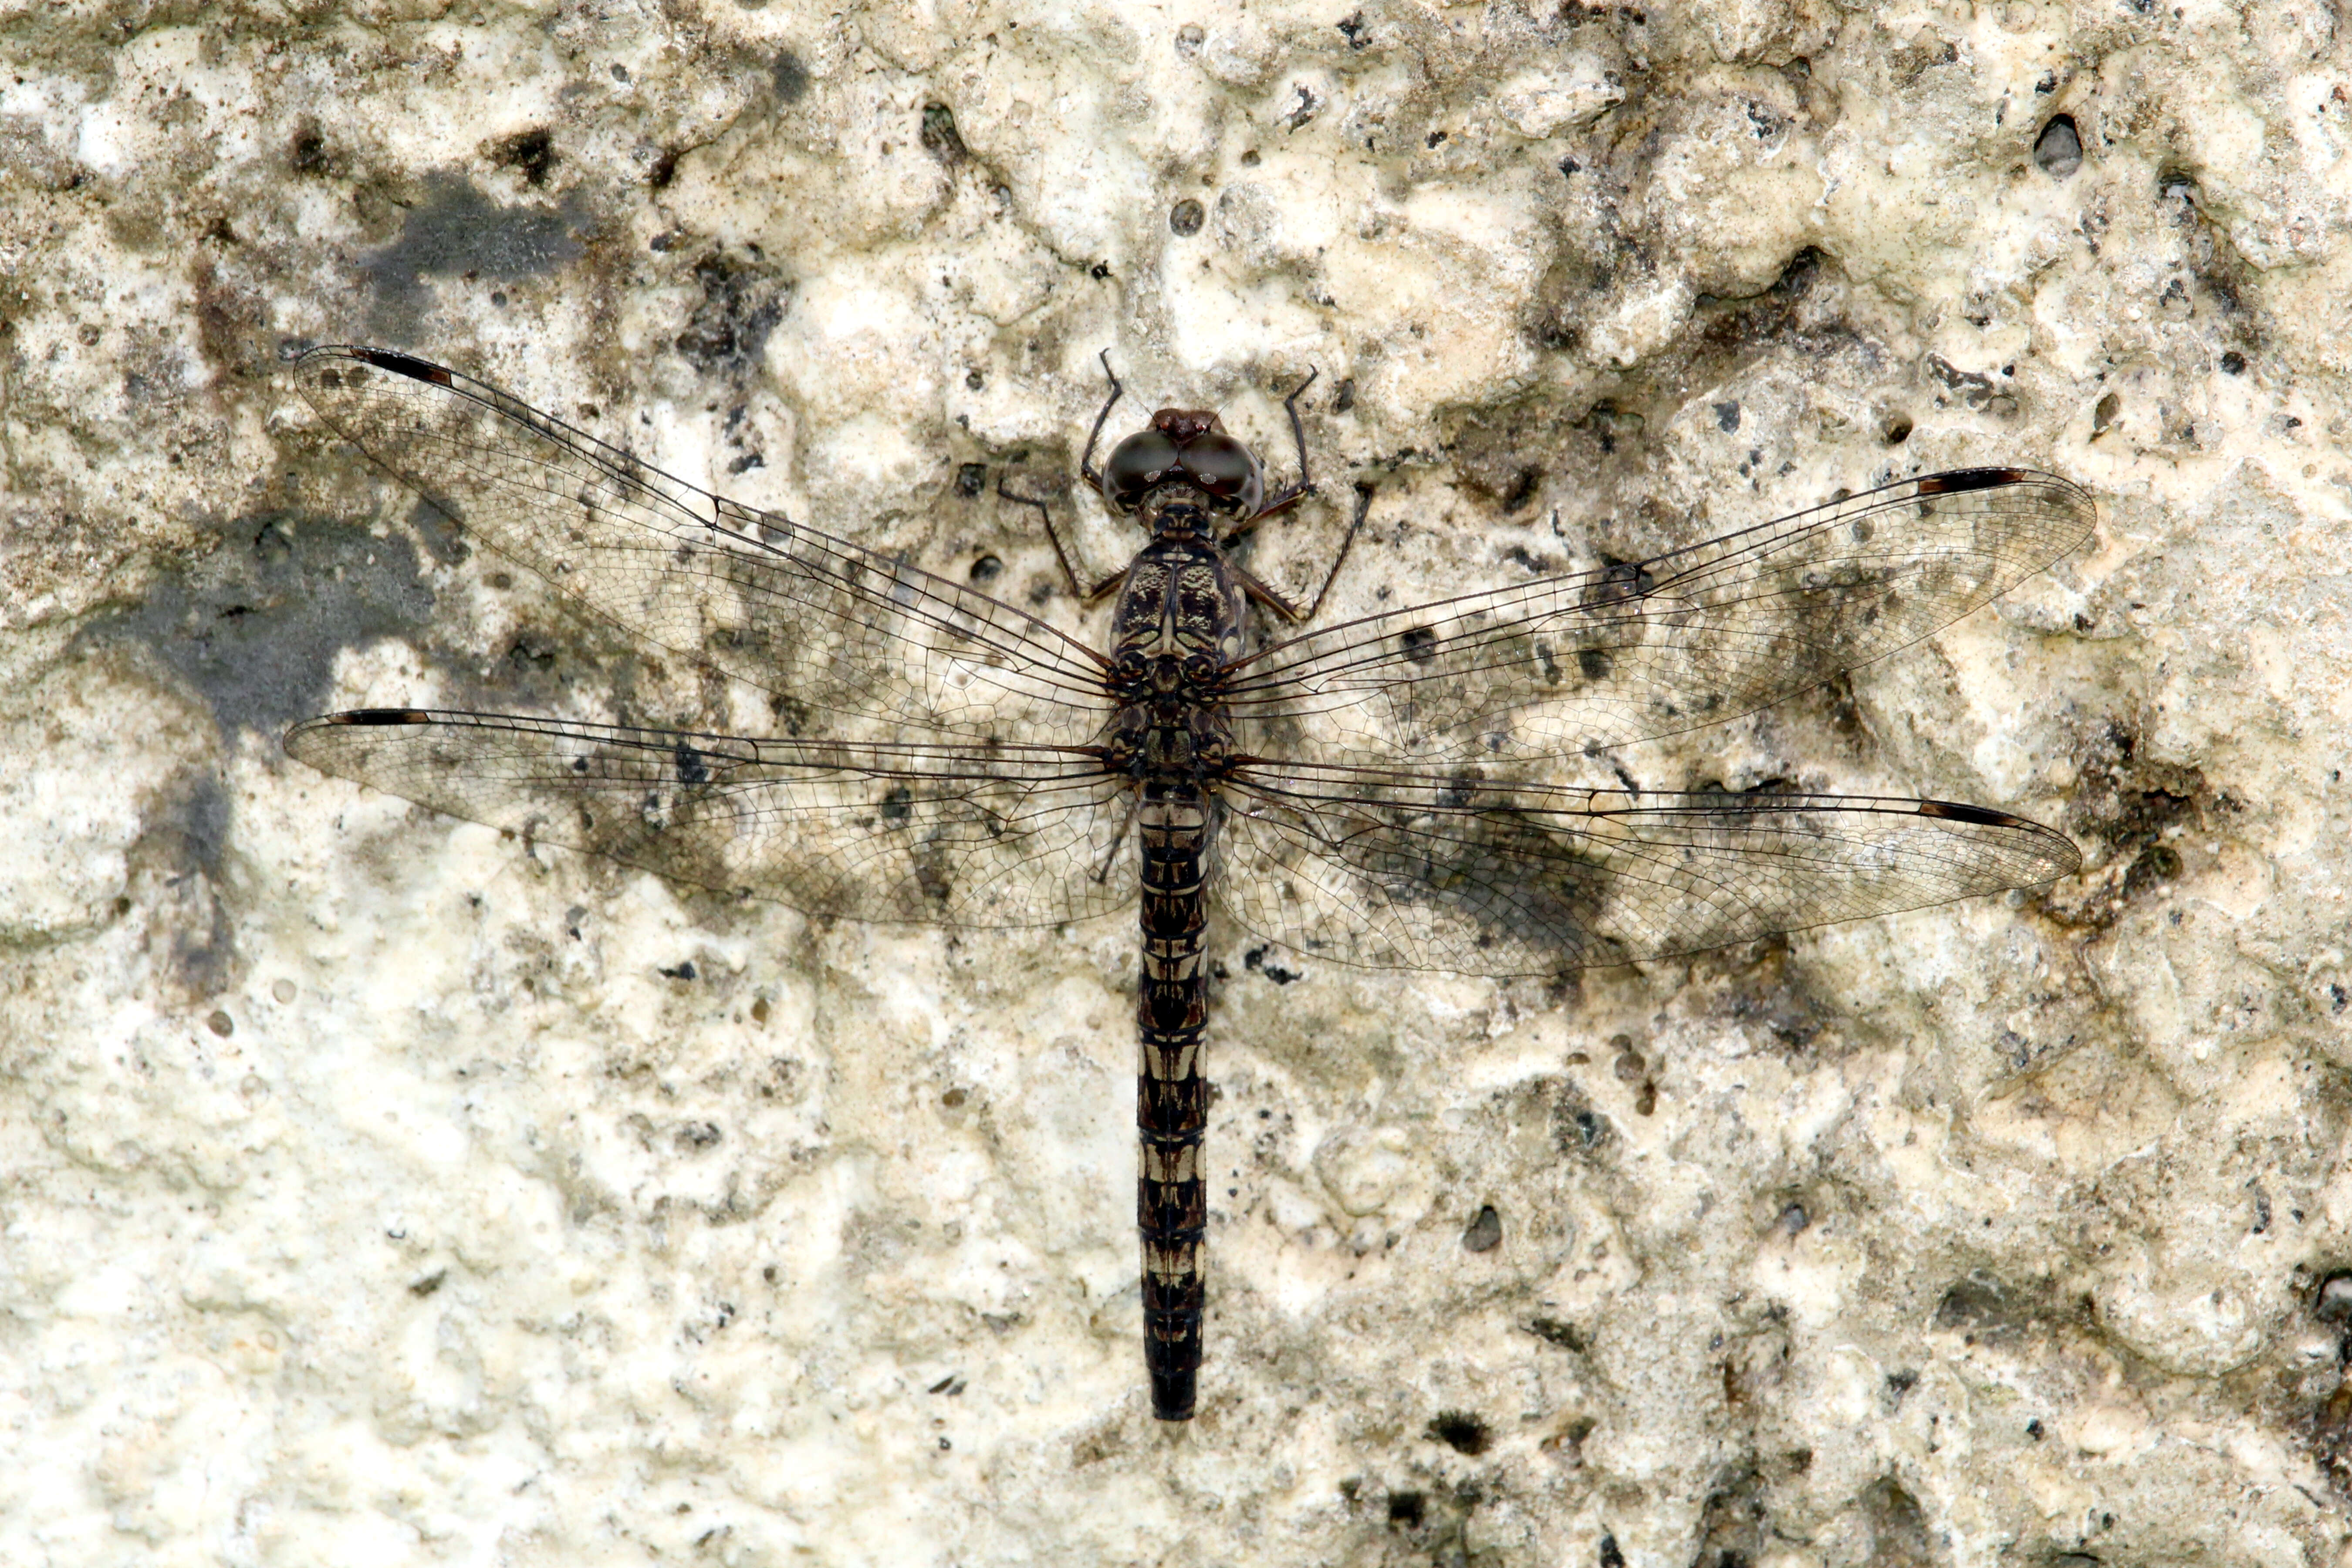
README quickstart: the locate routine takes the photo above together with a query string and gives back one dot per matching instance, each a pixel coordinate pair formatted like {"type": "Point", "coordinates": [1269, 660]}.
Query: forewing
{"type": "Point", "coordinates": [1687, 638]}
{"type": "Point", "coordinates": [821, 622]}
{"type": "Point", "coordinates": [931, 834]}
{"type": "Point", "coordinates": [1394, 870]}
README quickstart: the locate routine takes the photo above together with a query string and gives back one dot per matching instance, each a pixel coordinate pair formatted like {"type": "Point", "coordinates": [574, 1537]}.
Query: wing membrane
{"type": "Point", "coordinates": [1691, 638]}
{"type": "Point", "coordinates": [1398, 871]}
{"type": "Point", "coordinates": [957, 788]}
{"type": "Point", "coordinates": [922, 833]}
{"type": "Point", "coordinates": [821, 621]}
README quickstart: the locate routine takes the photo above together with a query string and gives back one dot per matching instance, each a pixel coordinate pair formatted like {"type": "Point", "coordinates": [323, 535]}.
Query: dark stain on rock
{"type": "Point", "coordinates": [1973, 389]}
{"type": "Point", "coordinates": [1769, 993]}
{"type": "Point", "coordinates": [1983, 1309]}
{"type": "Point", "coordinates": [1462, 1431]}
{"type": "Point", "coordinates": [2140, 810]}
{"type": "Point", "coordinates": [2325, 1432]}
{"type": "Point", "coordinates": [1898, 1527]}
{"type": "Point", "coordinates": [1493, 453]}
{"type": "Point", "coordinates": [1732, 327]}
{"type": "Point", "coordinates": [176, 868]}
{"type": "Point", "coordinates": [790, 78]}
{"type": "Point", "coordinates": [1731, 1525]}
{"type": "Point", "coordinates": [1557, 1331]}
{"type": "Point", "coordinates": [741, 303]}
{"type": "Point", "coordinates": [456, 231]}
{"type": "Point", "coordinates": [2219, 270]}
{"type": "Point", "coordinates": [1899, 1385]}
{"type": "Point", "coordinates": [307, 155]}
{"type": "Point", "coordinates": [253, 626]}
{"type": "Point", "coordinates": [533, 152]}
{"type": "Point", "coordinates": [1258, 963]}
{"type": "Point", "coordinates": [1576, 1128]}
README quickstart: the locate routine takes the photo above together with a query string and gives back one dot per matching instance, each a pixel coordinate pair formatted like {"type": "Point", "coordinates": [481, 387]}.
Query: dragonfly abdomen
{"type": "Point", "coordinates": [1172, 1097]}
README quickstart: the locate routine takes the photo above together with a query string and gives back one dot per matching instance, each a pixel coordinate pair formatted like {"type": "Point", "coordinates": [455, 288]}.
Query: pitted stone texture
{"type": "Point", "coordinates": [382, 1191]}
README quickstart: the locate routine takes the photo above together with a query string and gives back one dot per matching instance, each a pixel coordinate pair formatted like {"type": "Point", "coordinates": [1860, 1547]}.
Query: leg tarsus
{"type": "Point", "coordinates": [1274, 600]}
{"type": "Point", "coordinates": [1289, 495]}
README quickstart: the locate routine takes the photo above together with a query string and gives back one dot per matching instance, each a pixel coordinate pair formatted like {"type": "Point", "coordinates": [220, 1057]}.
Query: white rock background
{"type": "Point", "coordinates": [373, 1195]}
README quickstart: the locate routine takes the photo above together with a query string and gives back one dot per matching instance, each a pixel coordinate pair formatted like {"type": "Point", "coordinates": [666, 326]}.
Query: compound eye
{"type": "Point", "coordinates": [1226, 469]}
{"type": "Point", "coordinates": [1135, 464]}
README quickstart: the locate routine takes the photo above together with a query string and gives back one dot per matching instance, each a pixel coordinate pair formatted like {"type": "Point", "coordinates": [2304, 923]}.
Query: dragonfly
{"type": "Point", "coordinates": [1422, 788]}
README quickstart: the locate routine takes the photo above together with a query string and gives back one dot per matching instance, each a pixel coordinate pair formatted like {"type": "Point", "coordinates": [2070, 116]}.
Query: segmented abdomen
{"type": "Point", "coordinates": [1171, 1101]}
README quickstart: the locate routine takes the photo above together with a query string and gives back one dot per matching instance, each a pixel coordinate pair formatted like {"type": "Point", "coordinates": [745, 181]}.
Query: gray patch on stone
{"type": "Point", "coordinates": [254, 627]}
{"type": "Point", "coordinates": [459, 230]}
{"type": "Point", "coordinates": [741, 303]}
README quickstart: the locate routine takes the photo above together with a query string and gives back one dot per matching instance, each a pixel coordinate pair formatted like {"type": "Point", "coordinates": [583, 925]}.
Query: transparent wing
{"type": "Point", "coordinates": [1688, 638]}
{"type": "Point", "coordinates": [1397, 870]}
{"type": "Point", "coordinates": [929, 834]}
{"type": "Point", "coordinates": [824, 623]}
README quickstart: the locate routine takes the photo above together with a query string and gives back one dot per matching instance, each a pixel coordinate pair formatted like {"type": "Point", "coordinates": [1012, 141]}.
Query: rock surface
{"type": "Point", "coordinates": [382, 1192]}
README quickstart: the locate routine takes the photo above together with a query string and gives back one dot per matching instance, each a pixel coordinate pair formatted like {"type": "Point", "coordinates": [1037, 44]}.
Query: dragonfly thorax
{"type": "Point", "coordinates": [1180, 620]}
{"type": "Point", "coordinates": [1170, 736]}
{"type": "Point", "coordinates": [1186, 676]}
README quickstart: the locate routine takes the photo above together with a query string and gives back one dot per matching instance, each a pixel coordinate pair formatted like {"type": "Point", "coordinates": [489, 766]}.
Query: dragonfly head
{"type": "Point", "coordinates": [1187, 447]}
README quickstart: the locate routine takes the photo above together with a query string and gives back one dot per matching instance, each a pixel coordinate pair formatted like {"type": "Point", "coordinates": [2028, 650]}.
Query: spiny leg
{"type": "Point", "coordinates": [1093, 477]}
{"type": "Point", "coordinates": [1292, 494]}
{"type": "Point", "coordinates": [1086, 468]}
{"type": "Point", "coordinates": [1045, 515]}
{"type": "Point", "coordinates": [1283, 606]}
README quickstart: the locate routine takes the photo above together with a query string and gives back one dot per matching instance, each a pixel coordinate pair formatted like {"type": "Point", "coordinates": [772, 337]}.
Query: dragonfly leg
{"type": "Point", "coordinates": [1355, 526]}
{"type": "Point", "coordinates": [1086, 595]}
{"type": "Point", "coordinates": [1086, 468]}
{"type": "Point", "coordinates": [1283, 606]}
{"type": "Point", "coordinates": [1289, 495]}
{"type": "Point", "coordinates": [1264, 594]}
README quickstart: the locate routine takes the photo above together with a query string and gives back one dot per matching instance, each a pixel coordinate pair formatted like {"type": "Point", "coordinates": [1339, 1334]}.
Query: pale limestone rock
{"type": "Point", "coordinates": [382, 1191]}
